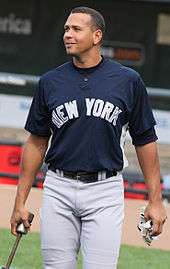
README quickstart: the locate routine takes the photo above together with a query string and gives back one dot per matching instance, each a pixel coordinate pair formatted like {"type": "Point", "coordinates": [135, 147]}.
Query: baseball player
{"type": "Point", "coordinates": [85, 107]}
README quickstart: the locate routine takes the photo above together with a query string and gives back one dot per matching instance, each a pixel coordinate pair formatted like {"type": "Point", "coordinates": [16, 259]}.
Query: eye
{"type": "Point", "coordinates": [77, 29]}
{"type": "Point", "coordinates": [66, 28]}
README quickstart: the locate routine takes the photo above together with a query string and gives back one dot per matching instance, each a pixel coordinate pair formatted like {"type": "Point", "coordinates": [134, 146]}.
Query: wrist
{"type": "Point", "coordinates": [153, 200]}
{"type": "Point", "coordinates": [19, 202]}
{"type": "Point", "coordinates": [154, 195]}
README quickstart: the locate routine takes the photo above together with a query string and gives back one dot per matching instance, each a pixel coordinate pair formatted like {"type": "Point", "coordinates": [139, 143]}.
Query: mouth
{"type": "Point", "coordinates": [69, 44]}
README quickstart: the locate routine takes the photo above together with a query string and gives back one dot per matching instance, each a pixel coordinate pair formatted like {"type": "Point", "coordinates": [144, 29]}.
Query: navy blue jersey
{"type": "Point", "coordinates": [87, 112]}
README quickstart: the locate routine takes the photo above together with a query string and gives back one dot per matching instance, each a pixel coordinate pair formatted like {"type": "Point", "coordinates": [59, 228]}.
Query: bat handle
{"type": "Point", "coordinates": [12, 254]}
{"type": "Point", "coordinates": [21, 229]}
{"type": "Point", "coordinates": [30, 218]}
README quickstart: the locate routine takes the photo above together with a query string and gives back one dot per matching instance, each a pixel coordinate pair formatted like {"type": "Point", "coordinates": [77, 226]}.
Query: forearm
{"type": "Point", "coordinates": [149, 163]}
{"type": "Point", "coordinates": [32, 159]}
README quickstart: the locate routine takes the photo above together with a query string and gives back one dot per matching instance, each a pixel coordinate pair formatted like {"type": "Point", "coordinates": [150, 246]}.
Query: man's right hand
{"type": "Point", "coordinates": [32, 159]}
{"type": "Point", "coordinates": [20, 215]}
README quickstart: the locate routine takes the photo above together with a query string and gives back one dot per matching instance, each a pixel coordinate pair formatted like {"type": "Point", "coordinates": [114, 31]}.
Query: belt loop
{"type": "Point", "coordinates": [61, 173]}
{"type": "Point", "coordinates": [103, 174]}
{"type": "Point", "coordinates": [57, 172]}
{"type": "Point", "coordinates": [99, 175]}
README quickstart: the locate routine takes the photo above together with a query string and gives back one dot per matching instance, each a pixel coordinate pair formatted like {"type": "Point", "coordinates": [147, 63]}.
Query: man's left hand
{"type": "Point", "coordinates": [155, 211]}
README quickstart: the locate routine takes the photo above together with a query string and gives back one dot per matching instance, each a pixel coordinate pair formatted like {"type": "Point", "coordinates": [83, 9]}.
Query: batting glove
{"type": "Point", "coordinates": [145, 228]}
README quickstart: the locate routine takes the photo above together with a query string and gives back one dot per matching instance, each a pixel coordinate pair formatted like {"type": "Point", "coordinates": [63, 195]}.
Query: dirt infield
{"type": "Point", "coordinates": [132, 208]}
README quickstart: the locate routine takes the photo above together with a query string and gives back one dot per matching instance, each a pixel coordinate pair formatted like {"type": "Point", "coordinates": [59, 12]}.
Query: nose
{"type": "Point", "coordinates": [68, 34]}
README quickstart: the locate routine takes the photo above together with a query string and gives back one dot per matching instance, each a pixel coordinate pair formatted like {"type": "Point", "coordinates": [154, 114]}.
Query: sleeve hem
{"type": "Point", "coordinates": [145, 142]}
{"type": "Point", "coordinates": [37, 133]}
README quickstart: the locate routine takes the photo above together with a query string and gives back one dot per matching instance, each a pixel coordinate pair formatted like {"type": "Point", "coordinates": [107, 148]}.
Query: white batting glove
{"type": "Point", "coordinates": [145, 228]}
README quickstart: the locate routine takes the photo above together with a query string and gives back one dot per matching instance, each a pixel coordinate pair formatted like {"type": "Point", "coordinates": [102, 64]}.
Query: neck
{"type": "Point", "coordinates": [85, 61]}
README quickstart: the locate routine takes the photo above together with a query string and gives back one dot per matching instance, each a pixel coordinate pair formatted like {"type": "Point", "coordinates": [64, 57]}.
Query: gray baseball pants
{"type": "Point", "coordinates": [75, 214]}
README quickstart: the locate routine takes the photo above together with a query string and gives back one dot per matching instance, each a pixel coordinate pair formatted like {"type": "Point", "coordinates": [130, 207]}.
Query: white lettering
{"type": "Point", "coordinates": [98, 106]}
{"type": "Point", "coordinates": [71, 109]}
{"type": "Point", "coordinates": [3, 25]}
{"type": "Point", "coordinates": [14, 25]}
{"type": "Point", "coordinates": [89, 104]}
{"type": "Point", "coordinates": [108, 108]}
{"type": "Point", "coordinates": [56, 120]}
{"type": "Point", "coordinates": [94, 107]}
{"type": "Point", "coordinates": [61, 113]}
{"type": "Point", "coordinates": [115, 115]}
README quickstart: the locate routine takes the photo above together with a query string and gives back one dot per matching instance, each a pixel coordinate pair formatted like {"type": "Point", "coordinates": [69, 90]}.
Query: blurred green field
{"type": "Point", "coordinates": [29, 256]}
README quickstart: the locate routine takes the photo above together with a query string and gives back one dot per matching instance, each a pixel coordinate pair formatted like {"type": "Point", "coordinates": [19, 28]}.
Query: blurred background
{"type": "Point", "coordinates": [31, 32]}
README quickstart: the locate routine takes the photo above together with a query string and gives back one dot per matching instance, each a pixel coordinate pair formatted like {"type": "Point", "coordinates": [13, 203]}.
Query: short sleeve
{"type": "Point", "coordinates": [38, 120]}
{"type": "Point", "coordinates": [141, 118]}
{"type": "Point", "coordinates": [145, 138]}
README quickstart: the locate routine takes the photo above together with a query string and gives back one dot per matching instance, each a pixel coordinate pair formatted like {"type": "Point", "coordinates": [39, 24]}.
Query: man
{"type": "Point", "coordinates": [86, 106]}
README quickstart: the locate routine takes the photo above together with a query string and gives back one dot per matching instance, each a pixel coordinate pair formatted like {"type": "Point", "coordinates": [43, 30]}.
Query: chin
{"type": "Point", "coordinates": [71, 53]}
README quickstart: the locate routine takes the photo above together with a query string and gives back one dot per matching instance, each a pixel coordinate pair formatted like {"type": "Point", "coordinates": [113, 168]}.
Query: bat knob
{"type": "Point", "coordinates": [21, 229]}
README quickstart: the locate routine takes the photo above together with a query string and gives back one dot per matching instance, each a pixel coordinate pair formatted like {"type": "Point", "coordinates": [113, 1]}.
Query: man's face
{"type": "Point", "coordinates": [79, 36]}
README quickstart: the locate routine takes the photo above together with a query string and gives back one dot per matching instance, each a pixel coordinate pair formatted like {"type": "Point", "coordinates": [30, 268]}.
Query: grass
{"type": "Point", "coordinates": [28, 253]}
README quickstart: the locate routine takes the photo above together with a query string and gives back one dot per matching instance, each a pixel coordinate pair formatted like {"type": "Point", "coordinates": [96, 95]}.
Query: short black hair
{"type": "Point", "coordinates": [97, 18]}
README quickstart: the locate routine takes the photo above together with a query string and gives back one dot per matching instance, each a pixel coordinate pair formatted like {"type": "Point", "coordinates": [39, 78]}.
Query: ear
{"type": "Point", "coordinates": [97, 36]}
